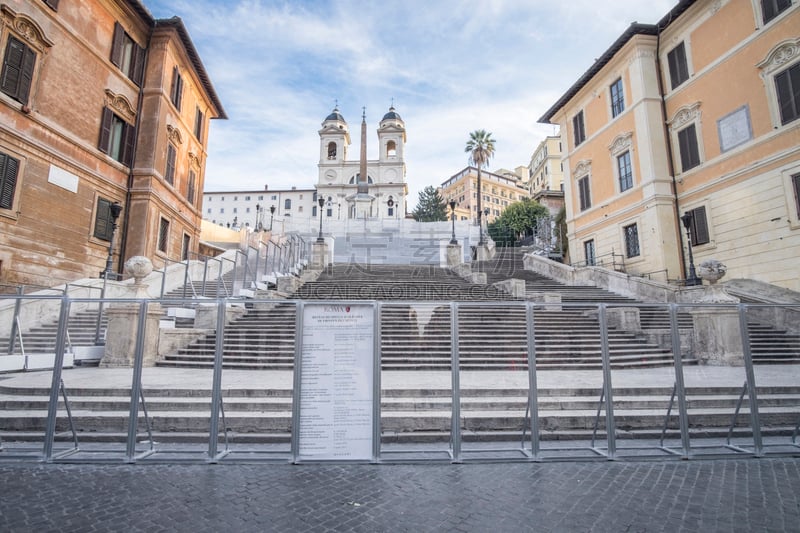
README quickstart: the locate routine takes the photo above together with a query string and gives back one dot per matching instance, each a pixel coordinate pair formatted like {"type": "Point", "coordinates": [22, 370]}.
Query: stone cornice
{"type": "Point", "coordinates": [174, 134]}
{"type": "Point", "coordinates": [684, 115]}
{"type": "Point", "coordinates": [27, 28]}
{"type": "Point", "coordinates": [621, 142]}
{"type": "Point", "coordinates": [781, 54]}
{"type": "Point", "coordinates": [121, 105]}
{"type": "Point", "coordinates": [583, 168]}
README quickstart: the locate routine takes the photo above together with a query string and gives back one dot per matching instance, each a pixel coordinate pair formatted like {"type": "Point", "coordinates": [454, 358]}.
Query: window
{"type": "Point", "coordinates": [588, 252]}
{"type": "Point", "coordinates": [190, 187]}
{"type": "Point", "coordinates": [678, 68]}
{"type": "Point", "coordinates": [583, 187]}
{"type": "Point", "coordinates": [221, 210]}
{"type": "Point", "coordinates": [287, 204]}
{"type": "Point", "coordinates": [127, 55]}
{"type": "Point", "coordinates": [329, 212]}
{"type": "Point", "coordinates": [772, 8]}
{"type": "Point", "coordinates": [187, 242]}
{"type": "Point", "coordinates": [687, 143]}
{"type": "Point", "coordinates": [391, 149]}
{"type": "Point", "coordinates": [235, 210]}
{"type": "Point", "coordinates": [246, 198]}
{"type": "Point", "coordinates": [18, 70]}
{"type": "Point", "coordinates": [578, 129]}
{"type": "Point", "coordinates": [314, 211]}
{"type": "Point", "coordinates": [796, 186]}
{"type": "Point", "coordinates": [176, 90]}
{"type": "Point", "coordinates": [617, 98]}
{"type": "Point", "coordinates": [163, 235]}
{"type": "Point", "coordinates": [169, 173]}
{"type": "Point", "coordinates": [198, 124]}
{"type": "Point", "coordinates": [331, 150]}
{"type": "Point", "coordinates": [631, 241]}
{"type": "Point", "coordinates": [8, 180]}
{"type": "Point", "coordinates": [698, 227]}
{"type": "Point", "coordinates": [117, 137]}
{"type": "Point", "coordinates": [625, 172]}
{"type": "Point", "coordinates": [787, 85]}
{"type": "Point", "coordinates": [274, 197]}
{"type": "Point", "coordinates": [209, 211]}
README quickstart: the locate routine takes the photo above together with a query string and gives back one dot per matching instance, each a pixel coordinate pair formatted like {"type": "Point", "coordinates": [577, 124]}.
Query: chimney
{"type": "Point", "coordinates": [266, 187]}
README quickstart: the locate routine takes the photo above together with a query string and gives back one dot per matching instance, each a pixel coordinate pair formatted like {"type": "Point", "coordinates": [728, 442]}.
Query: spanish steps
{"type": "Point", "coordinates": [416, 395]}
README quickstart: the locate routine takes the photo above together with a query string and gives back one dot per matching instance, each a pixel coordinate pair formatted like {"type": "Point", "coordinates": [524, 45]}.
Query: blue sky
{"type": "Point", "coordinates": [451, 67]}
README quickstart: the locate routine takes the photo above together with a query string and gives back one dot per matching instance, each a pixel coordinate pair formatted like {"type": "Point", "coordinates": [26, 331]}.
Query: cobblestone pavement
{"type": "Point", "coordinates": [711, 495]}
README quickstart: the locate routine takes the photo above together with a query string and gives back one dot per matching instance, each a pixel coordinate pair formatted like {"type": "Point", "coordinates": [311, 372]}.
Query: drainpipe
{"type": "Point", "coordinates": [670, 164]}
{"type": "Point", "coordinates": [124, 238]}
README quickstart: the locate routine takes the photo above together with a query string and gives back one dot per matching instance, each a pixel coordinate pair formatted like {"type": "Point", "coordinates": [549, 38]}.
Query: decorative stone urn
{"type": "Point", "coordinates": [711, 270]}
{"type": "Point", "coordinates": [139, 267]}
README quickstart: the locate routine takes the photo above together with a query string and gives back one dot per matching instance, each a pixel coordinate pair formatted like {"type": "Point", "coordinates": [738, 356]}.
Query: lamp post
{"type": "Point", "coordinates": [321, 202]}
{"type": "Point", "coordinates": [114, 210]}
{"type": "Point", "coordinates": [257, 226]}
{"type": "Point", "coordinates": [453, 217]}
{"type": "Point", "coordinates": [486, 212]}
{"type": "Point", "coordinates": [692, 278]}
{"type": "Point", "coordinates": [271, 215]}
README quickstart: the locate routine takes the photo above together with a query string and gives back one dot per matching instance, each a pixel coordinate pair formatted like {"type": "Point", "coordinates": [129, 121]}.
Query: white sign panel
{"type": "Point", "coordinates": [336, 382]}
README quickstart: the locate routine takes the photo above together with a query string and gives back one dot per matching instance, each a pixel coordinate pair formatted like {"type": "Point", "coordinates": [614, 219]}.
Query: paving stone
{"type": "Point", "coordinates": [722, 495]}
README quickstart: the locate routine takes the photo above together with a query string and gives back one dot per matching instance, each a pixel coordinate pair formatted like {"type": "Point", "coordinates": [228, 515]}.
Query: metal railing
{"type": "Point", "coordinates": [756, 438]}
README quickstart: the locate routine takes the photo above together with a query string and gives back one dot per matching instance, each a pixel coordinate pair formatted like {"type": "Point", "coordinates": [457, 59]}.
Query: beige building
{"type": "Point", "coordinates": [546, 174]}
{"type": "Point", "coordinates": [498, 192]}
{"type": "Point", "coordinates": [696, 116]}
{"type": "Point", "coordinates": [100, 104]}
{"type": "Point", "coordinates": [256, 209]}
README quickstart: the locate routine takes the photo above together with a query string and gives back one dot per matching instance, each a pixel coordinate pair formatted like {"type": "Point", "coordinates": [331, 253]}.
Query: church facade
{"type": "Point", "coordinates": [384, 191]}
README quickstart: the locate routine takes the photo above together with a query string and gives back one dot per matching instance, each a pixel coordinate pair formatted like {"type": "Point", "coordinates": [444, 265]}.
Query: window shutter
{"type": "Point", "coordinates": [102, 220]}
{"type": "Point", "coordinates": [169, 173]}
{"type": "Point", "coordinates": [116, 44]}
{"type": "Point", "coordinates": [129, 145]}
{"type": "Point", "coordinates": [26, 77]}
{"type": "Point", "coordinates": [137, 70]}
{"type": "Point", "coordinates": [787, 85]}
{"type": "Point", "coordinates": [699, 226]}
{"type": "Point", "coordinates": [105, 130]}
{"type": "Point", "coordinates": [8, 180]}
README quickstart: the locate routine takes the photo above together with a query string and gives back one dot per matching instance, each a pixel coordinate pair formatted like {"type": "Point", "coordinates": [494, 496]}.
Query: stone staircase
{"type": "Point", "coordinates": [408, 414]}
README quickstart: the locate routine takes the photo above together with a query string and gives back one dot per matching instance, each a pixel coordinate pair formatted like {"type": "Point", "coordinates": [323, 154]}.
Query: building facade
{"type": "Point", "coordinates": [254, 209]}
{"type": "Point", "coordinates": [100, 104]}
{"type": "Point", "coordinates": [339, 172]}
{"type": "Point", "coordinates": [695, 119]}
{"type": "Point", "coordinates": [498, 193]}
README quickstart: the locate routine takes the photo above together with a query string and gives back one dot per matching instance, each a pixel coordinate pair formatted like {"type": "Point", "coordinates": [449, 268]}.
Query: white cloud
{"type": "Point", "coordinates": [452, 67]}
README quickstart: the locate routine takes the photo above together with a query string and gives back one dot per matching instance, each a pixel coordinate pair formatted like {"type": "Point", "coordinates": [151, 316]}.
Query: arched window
{"type": "Point", "coordinates": [331, 150]}
{"type": "Point", "coordinates": [391, 149]}
{"type": "Point", "coordinates": [354, 179]}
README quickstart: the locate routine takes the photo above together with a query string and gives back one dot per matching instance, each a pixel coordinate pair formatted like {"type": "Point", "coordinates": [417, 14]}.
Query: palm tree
{"type": "Point", "coordinates": [481, 148]}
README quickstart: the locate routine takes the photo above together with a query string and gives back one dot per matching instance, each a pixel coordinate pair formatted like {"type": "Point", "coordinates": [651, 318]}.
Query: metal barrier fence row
{"type": "Point", "coordinates": [528, 443]}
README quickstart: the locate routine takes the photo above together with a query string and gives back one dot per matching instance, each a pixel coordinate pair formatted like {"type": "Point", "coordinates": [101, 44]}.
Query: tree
{"type": "Point", "coordinates": [521, 216]}
{"type": "Point", "coordinates": [430, 206]}
{"type": "Point", "coordinates": [480, 147]}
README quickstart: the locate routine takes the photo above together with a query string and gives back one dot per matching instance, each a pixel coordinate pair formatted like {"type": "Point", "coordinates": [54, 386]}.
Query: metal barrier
{"type": "Point", "coordinates": [473, 382]}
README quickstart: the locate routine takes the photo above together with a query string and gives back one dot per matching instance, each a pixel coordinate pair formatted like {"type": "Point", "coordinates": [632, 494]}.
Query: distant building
{"type": "Point", "coordinates": [100, 103]}
{"type": "Point", "coordinates": [498, 193]}
{"type": "Point", "coordinates": [339, 170]}
{"type": "Point", "coordinates": [695, 117]}
{"type": "Point", "coordinates": [546, 174]}
{"type": "Point", "coordinates": [253, 209]}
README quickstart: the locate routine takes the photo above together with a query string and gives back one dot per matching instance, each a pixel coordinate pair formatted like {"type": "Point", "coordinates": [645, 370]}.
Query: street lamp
{"type": "Point", "coordinates": [321, 202]}
{"type": "Point", "coordinates": [114, 210]}
{"type": "Point", "coordinates": [258, 212]}
{"type": "Point", "coordinates": [453, 217]}
{"type": "Point", "coordinates": [271, 214]}
{"type": "Point", "coordinates": [692, 278]}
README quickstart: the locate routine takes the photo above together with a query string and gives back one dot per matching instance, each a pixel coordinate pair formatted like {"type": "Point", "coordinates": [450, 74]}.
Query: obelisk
{"type": "Point", "coordinates": [363, 198]}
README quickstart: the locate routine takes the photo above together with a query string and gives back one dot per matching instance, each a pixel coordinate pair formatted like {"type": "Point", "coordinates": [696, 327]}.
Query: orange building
{"type": "Point", "coordinates": [498, 192]}
{"type": "Point", "coordinates": [100, 103]}
{"type": "Point", "coordinates": [696, 117]}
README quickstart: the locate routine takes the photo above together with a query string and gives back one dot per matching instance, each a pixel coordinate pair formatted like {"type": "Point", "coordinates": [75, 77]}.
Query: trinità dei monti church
{"type": "Point", "coordinates": [347, 193]}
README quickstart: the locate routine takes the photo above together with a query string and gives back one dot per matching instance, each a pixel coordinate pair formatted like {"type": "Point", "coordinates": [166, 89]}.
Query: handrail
{"type": "Point", "coordinates": [598, 261]}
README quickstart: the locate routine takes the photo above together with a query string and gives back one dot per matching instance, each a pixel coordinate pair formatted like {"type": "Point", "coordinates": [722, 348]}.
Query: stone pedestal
{"type": "Point", "coordinates": [624, 318]}
{"type": "Point", "coordinates": [717, 336]}
{"type": "Point", "coordinates": [546, 298]}
{"type": "Point", "coordinates": [120, 349]}
{"type": "Point", "coordinates": [453, 255]}
{"type": "Point", "coordinates": [288, 285]}
{"type": "Point", "coordinates": [319, 255]}
{"type": "Point", "coordinates": [206, 316]}
{"type": "Point", "coordinates": [484, 252]}
{"type": "Point", "coordinates": [514, 287]}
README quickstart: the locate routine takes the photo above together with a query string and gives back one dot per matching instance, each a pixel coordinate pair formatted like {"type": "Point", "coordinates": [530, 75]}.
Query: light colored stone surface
{"type": "Point", "coordinates": [624, 318]}
{"type": "Point", "coordinates": [121, 335]}
{"type": "Point", "coordinates": [514, 287]}
{"type": "Point", "coordinates": [717, 336]}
